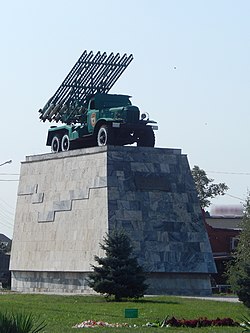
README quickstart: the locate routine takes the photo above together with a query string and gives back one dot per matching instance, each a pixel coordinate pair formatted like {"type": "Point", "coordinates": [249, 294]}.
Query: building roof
{"type": "Point", "coordinates": [224, 222]}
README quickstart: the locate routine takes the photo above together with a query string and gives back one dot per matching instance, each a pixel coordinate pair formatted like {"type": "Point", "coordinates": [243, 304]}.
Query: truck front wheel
{"type": "Point", "coordinates": [104, 136]}
{"type": "Point", "coordinates": [146, 138]}
{"type": "Point", "coordinates": [55, 144]}
{"type": "Point", "coordinates": [65, 145]}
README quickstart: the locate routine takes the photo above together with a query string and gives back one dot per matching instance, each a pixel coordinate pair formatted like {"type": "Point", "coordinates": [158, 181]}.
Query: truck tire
{"type": "Point", "coordinates": [65, 143]}
{"type": "Point", "coordinates": [104, 136]}
{"type": "Point", "coordinates": [146, 138]}
{"type": "Point", "coordinates": [56, 144]}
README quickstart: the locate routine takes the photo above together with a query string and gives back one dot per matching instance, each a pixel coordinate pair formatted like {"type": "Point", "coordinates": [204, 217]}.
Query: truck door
{"type": "Point", "coordinates": [92, 115]}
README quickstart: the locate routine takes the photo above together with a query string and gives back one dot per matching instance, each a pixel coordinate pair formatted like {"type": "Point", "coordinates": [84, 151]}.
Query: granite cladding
{"type": "Point", "coordinates": [152, 196]}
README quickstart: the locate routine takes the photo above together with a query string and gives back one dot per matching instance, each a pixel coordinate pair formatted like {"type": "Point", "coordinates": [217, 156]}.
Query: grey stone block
{"type": "Point", "coordinates": [46, 217]}
{"type": "Point", "coordinates": [79, 194]}
{"type": "Point", "coordinates": [27, 189]}
{"type": "Point", "coordinates": [62, 205]}
{"type": "Point", "coordinates": [37, 198]}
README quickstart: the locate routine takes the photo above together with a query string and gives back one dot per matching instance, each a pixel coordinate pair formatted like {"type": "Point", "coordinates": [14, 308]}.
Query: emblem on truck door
{"type": "Point", "coordinates": [93, 119]}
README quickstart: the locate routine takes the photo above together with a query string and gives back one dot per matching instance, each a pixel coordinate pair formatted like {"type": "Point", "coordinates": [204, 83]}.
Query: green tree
{"type": "Point", "coordinates": [118, 274]}
{"type": "Point", "coordinates": [205, 187]}
{"type": "Point", "coordinates": [5, 248]}
{"type": "Point", "coordinates": [239, 268]}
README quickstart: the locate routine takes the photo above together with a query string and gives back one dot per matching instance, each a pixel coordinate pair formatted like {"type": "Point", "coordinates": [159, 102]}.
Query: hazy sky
{"type": "Point", "coordinates": [191, 73]}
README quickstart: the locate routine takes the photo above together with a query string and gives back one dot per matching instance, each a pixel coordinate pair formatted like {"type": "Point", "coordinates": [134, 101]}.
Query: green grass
{"type": "Point", "coordinates": [62, 312]}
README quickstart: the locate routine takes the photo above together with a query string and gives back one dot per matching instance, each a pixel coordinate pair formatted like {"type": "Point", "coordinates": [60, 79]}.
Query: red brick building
{"type": "Point", "coordinates": [223, 234]}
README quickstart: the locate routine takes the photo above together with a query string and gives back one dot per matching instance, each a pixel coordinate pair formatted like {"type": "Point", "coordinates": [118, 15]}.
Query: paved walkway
{"type": "Point", "coordinates": [215, 298]}
{"type": "Point", "coordinates": [208, 298]}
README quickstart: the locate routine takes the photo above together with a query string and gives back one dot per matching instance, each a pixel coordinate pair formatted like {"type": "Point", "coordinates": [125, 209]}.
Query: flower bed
{"type": "Point", "coordinates": [93, 323]}
{"type": "Point", "coordinates": [199, 322]}
{"type": "Point", "coordinates": [172, 322]}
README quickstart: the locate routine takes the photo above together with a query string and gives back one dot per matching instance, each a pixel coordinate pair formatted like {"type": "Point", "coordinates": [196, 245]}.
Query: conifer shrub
{"type": "Point", "coordinates": [118, 274]}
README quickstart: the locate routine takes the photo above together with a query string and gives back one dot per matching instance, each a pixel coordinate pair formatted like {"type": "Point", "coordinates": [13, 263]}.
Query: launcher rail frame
{"type": "Point", "coordinates": [92, 73]}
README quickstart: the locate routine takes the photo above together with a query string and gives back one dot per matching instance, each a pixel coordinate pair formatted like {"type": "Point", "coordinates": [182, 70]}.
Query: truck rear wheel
{"type": "Point", "coordinates": [104, 136]}
{"type": "Point", "coordinates": [56, 144]}
{"type": "Point", "coordinates": [146, 138]}
{"type": "Point", "coordinates": [65, 144]}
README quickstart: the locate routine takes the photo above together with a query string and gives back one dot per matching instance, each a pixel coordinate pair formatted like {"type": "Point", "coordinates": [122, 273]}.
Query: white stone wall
{"type": "Point", "coordinates": [61, 213]}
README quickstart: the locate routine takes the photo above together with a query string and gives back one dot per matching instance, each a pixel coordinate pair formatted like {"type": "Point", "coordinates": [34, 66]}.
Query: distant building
{"type": "Point", "coordinates": [4, 261]}
{"type": "Point", "coordinates": [227, 211]}
{"type": "Point", "coordinates": [223, 233]}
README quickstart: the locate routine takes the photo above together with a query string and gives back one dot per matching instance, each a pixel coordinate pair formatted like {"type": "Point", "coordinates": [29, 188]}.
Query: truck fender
{"type": "Point", "coordinates": [59, 133]}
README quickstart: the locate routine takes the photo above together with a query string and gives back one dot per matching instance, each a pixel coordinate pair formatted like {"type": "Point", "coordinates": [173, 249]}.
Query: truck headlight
{"type": "Point", "coordinates": [144, 116]}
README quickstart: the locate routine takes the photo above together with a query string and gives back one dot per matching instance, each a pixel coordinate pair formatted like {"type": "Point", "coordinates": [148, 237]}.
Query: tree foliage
{"type": "Point", "coordinates": [5, 248]}
{"type": "Point", "coordinates": [239, 267]}
{"type": "Point", "coordinates": [205, 187]}
{"type": "Point", "coordinates": [118, 274]}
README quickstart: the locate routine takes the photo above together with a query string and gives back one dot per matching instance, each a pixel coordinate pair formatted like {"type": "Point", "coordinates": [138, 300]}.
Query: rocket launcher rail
{"type": "Point", "coordinates": [91, 74]}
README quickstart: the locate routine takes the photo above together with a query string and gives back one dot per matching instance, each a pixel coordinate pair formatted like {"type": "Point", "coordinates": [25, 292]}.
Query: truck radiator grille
{"type": "Point", "coordinates": [132, 114]}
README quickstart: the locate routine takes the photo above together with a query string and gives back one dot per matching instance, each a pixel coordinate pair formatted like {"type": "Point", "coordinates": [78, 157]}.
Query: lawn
{"type": "Point", "coordinates": [62, 312]}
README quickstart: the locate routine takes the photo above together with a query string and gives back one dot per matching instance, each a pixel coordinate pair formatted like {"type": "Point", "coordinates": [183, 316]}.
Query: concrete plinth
{"type": "Point", "coordinates": [68, 201]}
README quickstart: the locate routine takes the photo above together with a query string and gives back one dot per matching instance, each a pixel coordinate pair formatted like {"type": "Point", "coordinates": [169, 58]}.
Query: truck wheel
{"type": "Point", "coordinates": [65, 144]}
{"type": "Point", "coordinates": [146, 138]}
{"type": "Point", "coordinates": [55, 144]}
{"type": "Point", "coordinates": [104, 136]}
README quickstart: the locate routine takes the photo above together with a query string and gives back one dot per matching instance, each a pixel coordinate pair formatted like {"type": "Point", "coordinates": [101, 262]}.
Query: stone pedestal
{"type": "Point", "coordinates": [68, 201]}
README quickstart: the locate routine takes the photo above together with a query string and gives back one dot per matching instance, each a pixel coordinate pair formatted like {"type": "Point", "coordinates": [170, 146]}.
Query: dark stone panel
{"type": "Point", "coordinates": [150, 236]}
{"type": "Point", "coordinates": [157, 168]}
{"type": "Point", "coordinates": [128, 184]}
{"type": "Point", "coordinates": [176, 246]}
{"type": "Point", "coordinates": [192, 196]}
{"type": "Point", "coordinates": [195, 227]}
{"type": "Point", "coordinates": [189, 183]}
{"type": "Point", "coordinates": [151, 183]}
{"type": "Point", "coordinates": [123, 204]}
{"type": "Point", "coordinates": [176, 236]}
{"type": "Point", "coordinates": [135, 205]}
{"type": "Point", "coordinates": [127, 225]}
{"type": "Point", "coordinates": [191, 259]}
{"type": "Point", "coordinates": [121, 166]}
{"type": "Point", "coordinates": [190, 208]}
{"type": "Point", "coordinates": [208, 257]}
{"type": "Point", "coordinates": [180, 188]}
{"type": "Point", "coordinates": [110, 169]}
{"type": "Point", "coordinates": [161, 254]}
{"type": "Point", "coordinates": [170, 267]}
{"type": "Point", "coordinates": [192, 247]}
{"type": "Point", "coordinates": [112, 180]}
{"type": "Point", "coordinates": [174, 226]}
{"type": "Point", "coordinates": [158, 224]}
{"type": "Point", "coordinates": [160, 267]}
{"type": "Point", "coordinates": [174, 169]}
{"type": "Point", "coordinates": [173, 256]}
{"type": "Point", "coordinates": [112, 206]}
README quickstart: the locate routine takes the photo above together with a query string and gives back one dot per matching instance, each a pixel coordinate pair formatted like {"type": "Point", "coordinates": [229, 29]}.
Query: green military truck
{"type": "Point", "coordinates": [89, 115]}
